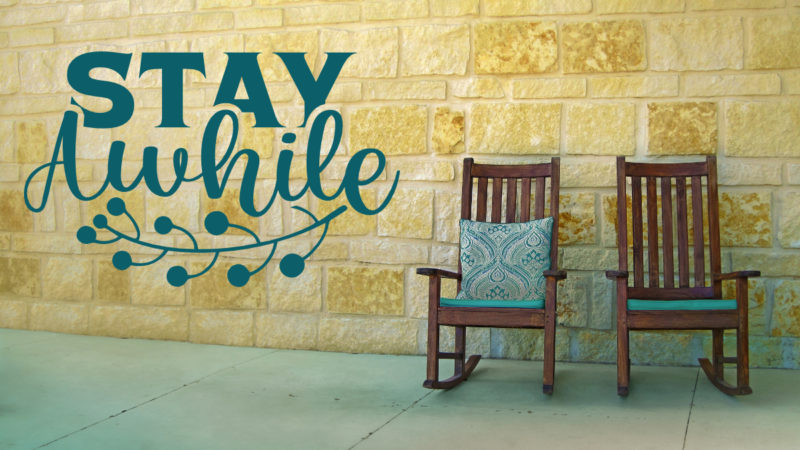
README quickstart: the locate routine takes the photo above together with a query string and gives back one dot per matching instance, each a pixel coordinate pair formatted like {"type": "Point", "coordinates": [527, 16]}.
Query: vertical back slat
{"type": "Point", "coordinates": [683, 232]}
{"type": "Point", "coordinates": [622, 214]}
{"type": "Point", "coordinates": [713, 223]}
{"type": "Point", "coordinates": [511, 200]}
{"type": "Point", "coordinates": [697, 224]}
{"type": "Point", "coordinates": [538, 209]}
{"type": "Point", "coordinates": [482, 188]}
{"type": "Point", "coordinates": [666, 232]}
{"type": "Point", "coordinates": [652, 232]}
{"type": "Point", "coordinates": [497, 199]}
{"type": "Point", "coordinates": [555, 185]}
{"type": "Point", "coordinates": [525, 201]}
{"type": "Point", "coordinates": [638, 234]}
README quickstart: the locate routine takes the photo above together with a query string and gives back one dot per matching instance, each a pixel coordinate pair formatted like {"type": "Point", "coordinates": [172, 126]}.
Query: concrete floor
{"type": "Point", "coordinates": [77, 392]}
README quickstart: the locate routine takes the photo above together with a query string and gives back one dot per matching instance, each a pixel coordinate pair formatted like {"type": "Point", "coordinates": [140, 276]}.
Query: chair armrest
{"type": "Point", "coordinates": [611, 274]}
{"type": "Point", "coordinates": [739, 274]}
{"type": "Point", "coordinates": [556, 274]}
{"type": "Point", "coordinates": [431, 271]}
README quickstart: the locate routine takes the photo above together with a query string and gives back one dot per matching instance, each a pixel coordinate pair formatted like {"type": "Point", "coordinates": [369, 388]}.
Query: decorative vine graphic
{"type": "Point", "coordinates": [217, 224]}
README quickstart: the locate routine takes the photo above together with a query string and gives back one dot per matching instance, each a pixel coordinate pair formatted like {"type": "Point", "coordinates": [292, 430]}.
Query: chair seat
{"type": "Point", "coordinates": [530, 304]}
{"type": "Point", "coordinates": [680, 305]}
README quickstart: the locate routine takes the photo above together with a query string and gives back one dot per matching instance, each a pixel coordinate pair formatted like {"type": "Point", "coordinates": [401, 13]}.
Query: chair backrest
{"type": "Point", "coordinates": [511, 190]}
{"type": "Point", "coordinates": [679, 189]}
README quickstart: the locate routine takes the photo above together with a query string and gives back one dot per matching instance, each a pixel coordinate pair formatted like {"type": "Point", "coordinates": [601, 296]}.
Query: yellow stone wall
{"type": "Point", "coordinates": [433, 81]}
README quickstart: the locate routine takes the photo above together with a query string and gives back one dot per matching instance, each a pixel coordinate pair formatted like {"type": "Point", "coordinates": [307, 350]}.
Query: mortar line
{"type": "Point", "coordinates": [154, 398]}
{"type": "Point", "coordinates": [691, 406]}
{"type": "Point", "coordinates": [371, 433]}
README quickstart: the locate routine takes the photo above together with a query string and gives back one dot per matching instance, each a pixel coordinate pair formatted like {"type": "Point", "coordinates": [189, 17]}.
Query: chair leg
{"type": "Point", "coordinates": [623, 361]}
{"type": "Point", "coordinates": [460, 349]}
{"type": "Point", "coordinates": [433, 354]}
{"type": "Point", "coordinates": [463, 369]}
{"type": "Point", "coordinates": [548, 376]}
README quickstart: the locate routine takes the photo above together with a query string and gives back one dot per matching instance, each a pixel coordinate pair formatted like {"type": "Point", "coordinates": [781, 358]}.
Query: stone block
{"type": "Point", "coordinates": [215, 59]}
{"type": "Point", "coordinates": [294, 331]}
{"type": "Point", "coordinates": [395, 9]}
{"type": "Point", "coordinates": [793, 175]}
{"type": "Point", "coordinates": [748, 172]}
{"type": "Point", "coordinates": [31, 139]}
{"type": "Point", "coordinates": [394, 130]}
{"type": "Point", "coordinates": [299, 294]}
{"type": "Point", "coordinates": [703, 43]}
{"type": "Point", "coordinates": [602, 303]}
{"type": "Point", "coordinates": [549, 88]}
{"type": "Point", "coordinates": [448, 56]}
{"type": "Point", "coordinates": [213, 291]}
{"type": "Point", "coordinates": [601, 129]}
{"type": "Point", "coordinates": [9, 173]}
{"type": "Point", "coordinates": [382, 251]}
{"type": "Point", "coordinates": [94, 31]}
{"type": "Point", "coordinates": [32, 104]}
{"type": "Point", "coordinates": [757, 309]}
{"type": "Point", "coordinates": [638, 6]}
{"type": "Point", "coordinates": [527, 8]}
{"type": "Point", "coordinates": [5, 241]}
{"type": "Point", "coordinates": [150, 287]}
{"type": "Point", "coordinates": [477, 88]}
{"type": "Point", "coordinates": [745, 219]}
{"type": "Point", "coordinates": [587, 258]}
{"type": "Point", "coordinates": [113, 285]}
{"type": "Point", "coordinates": [13, 314]}
{"type": "Point", "coordinates": [515, 343]}
{"type": "Point", "coordinates": [634, 86]}
{"type": "Point", "coordinates": [228, 204]}
{"type": "Point", "coordinates": [345, 92]}
{"type": "Point", "coordinates": [160, 7]}
{"type": "Point", "coordinates": [786, 309]}
{"type": "Point", "coordinates": [612, 46]}
{"type": "Point", "coordinates": [214, 21]}
{"type": "Point", "coordinates": [454, 8]}
{"type": "Point", "coordinates": [409, 214]}
{"type": "Point", "coordinates": [595, 346]}
{"type": "Point", "coordinates": [405, 90]}
{"type": "Point", "coordinates": [32, 16]}
{"type": "Point", "coordinates": [67, 279]}
{"type": "Point", "coordinates": [444, 255]}
{"type": "Point", "coordinates": [10, 82]}
{"type": "Point", "coordinates": [331, 250]}
{"type": "Point", "coordinates": [770, 264]}
{"type": "Point", "coordinates": [376, 51]}
{"type": "Point", "coordinates": [267, 43]}
{"type": "Point", "coordinates": [422, 170]}
{"type": "Point", "coordinates": [478, 341]}
{"type": "Point", "coordinates": [762, 129]}
{"type": "Point", "coordinates": [495, 128]}
{"type": "Point", "coordinates": [59, 317]}
{"type": "Point", "coordinates": [368, 335]}
{"type": "Point", "coordinates": [706, 5]}
{"type": "Point", "coordinates": [31, 36]}
{"type": "Point", "coordinates": [222, 327]}
{"type": "Point", "coordinates": [700, 85]}
{"type": "Point", "coordinates": [572, 307]}
{"type": "Point", "coordinates": [171, 324]}
{"type": "Point", "coordinates": [774, 42]}
{"type": "Point", "coordinates": [515, 47]}
{"type": "Point", "coordinates": [258, 18]}
{"type": "Point", "coordinates": [322, 13]}
{"type": "Point", "coordinates": [447, 216]}
{"type": "Point", "coordinates": [51, 243]}
{"type": "Point", "coordinates": [182, 208]}
{"type": "Point", "coordinates": [789, 221]}
{"type": "Point", "coordinates": [685, 128]}
{"type": "Point", "coordinates": [791, 82]}
{"type": "Point", "coordinates": [448, 131]}
{"type": "Point", "coordinates": [661, 348]}
{"type": "Point", "coordinates": [210, 4]}
{"type": "Point", "coordinates": [14, 216]}
{"type": "Point", "coordinates": [7, 145]}
{"type": "Point", "coordinates": [365, 290]}
{"type": "Point", "coordinates": [114, 9]}
{"type": "Point", "coordinates": [601, 173]}
{"type": "Point", "coordinates": [351, 222]}
{"type": "Point", "coordinates": [576, 219]}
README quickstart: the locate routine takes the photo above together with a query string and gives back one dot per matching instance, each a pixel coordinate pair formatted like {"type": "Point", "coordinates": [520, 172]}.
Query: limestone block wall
{"type": "Point", "coordinates": [432, 82]}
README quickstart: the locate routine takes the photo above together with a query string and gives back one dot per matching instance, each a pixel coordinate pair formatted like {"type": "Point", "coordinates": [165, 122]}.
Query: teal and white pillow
{"type": "Point", "coordinates": [504, 261]}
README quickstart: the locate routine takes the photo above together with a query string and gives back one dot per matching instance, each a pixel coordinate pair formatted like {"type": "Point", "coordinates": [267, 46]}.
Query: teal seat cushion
{"type": "Point", "coordinates": [532, 304]}
{"type": "Point", "coordinates": [679, 305]}
{"type": "Point", "coordinates": [504, 261]}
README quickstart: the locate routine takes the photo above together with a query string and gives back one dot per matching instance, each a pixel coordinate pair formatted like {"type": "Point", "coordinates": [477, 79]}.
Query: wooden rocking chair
{"type": "Point", "coordinates": [660, 305]}
{"type": "Point", "coordinates": [506, 316]}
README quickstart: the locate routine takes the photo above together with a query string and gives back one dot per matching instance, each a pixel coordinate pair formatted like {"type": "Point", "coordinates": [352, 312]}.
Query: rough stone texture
{"type": "Point", "coordinates": [638, 6]}
{"type": "Point", "coordinates": [515, 47]}
{"type": "Point", "coordinates": [368, 335]}
{"type": "Point", "coordinates": [31, 36]}
{"type": "Point", "coordinates": [448, 131]}
{"type": "Point", "coordinates": [634, 86]}
{"type": "Point", "coordinates": [613, 46]}
{"type": "Point", "coordinates": [376, 51]}
{"type": "Point", "coordinates": [529, 8]}
{"type": "Point", "coordinates": [67, 279]}
{"type": "Point", "coordinates": [757, 308]}
{"type": "Point", "coordinates": [213, 291]}
{"type": "Point", "coordinates": [447, 215]}
{"type": "Point", "coordinates": [94, 31]}
{"type": "Point", "coordinates": [745, 219]}
{"type": "Point", "coordinates": [515, 343]}
{"type": "Point", "coordinates": [682, 128]}
{"type": "Point", "coordinates": [602, 303]}
{"type": "Point", "coordinates": [664, 348]}
{"type": "Point", "coordinates": [148, 26]}
{"type": "Point", "coordinates": [478, 341]}
{"type": "Point", "coordinates": [757, 129]}
{"type": "Point", "coordinates": [150, 287]}
{"type": "Point", "coordinates": [495, 128]}
{"type": "Point", "coordinates": [423, 170]}
{"type": "Point", "coordinates": [595, 346]}
{"type": "Point", "coordinates": [585, 258]}
{"type": "Point", "coordinates": [170, 324]}
{"type": "Point", "coordinates": [406, 90]}
{"type": "Point", "coordinates": [299, 294]}
{"type": "Point", "coordinates": [549, 88]}
{"type": "Point", "coordinates": [228, 203]}
{"type": "Point", "coordinates": [272, 67]}
{"type": "Point", "coordinates": [704, 5]}
{"type": "Point", "coordinates": [409, 214]}
{"type": "Point", "coordinates": [434, 50]}
{"type": "Point", "coordinates": [774, 42]}
{"type": "Point", "coordinates": [113, 286]}
{"type": "Point", "coordinates": [134, 204]}
{"type": "Point", "coordinates": [453, 8]}
{"type": "Point", "coordinates": [791, 82]}
{"type": "Point", "coordinates": [351, 222]}
{"type": "Point", "coordinates": [769, 263]}
{"type": "Point", "coordinates": [748, 172]}
{"type": "Point", "coordinates": [576, 219]}
{"type": "Point", "coordinates": [59, 317]}
{"type": "Point", "coordinates": [295, 331]}
{"type": "Point", "coordinates": [363, 290]}
{"type": "Point", "coordinates": [9, 83]}
{"type": "Point", "coordinates": [602, 173]}
{"type": "Point", "coordinates": [477, 88]}
{"type": "Point", "coordinates": [395, 9]}
{"type": "Point", "coordinates": [221, 327]}
{"type": "Point", "coordinates": [394, 130]}
{"type": "Point", "coordinates": [601, 129]}
{"type": "Point", "coordinates": [186, 216]}
{"type": "Point", "coordinates": [14, 216]}
{"type": "Point", "coordinates": [258, 18]}
{"type": "Point", "coordinates": [385, 252]}
{"type": "Point", "coordinates": [572, 306]}
{"type": "Point", "coordinates": [730, 85]}
{"type": "Point", "coordinates": [708, 43]}
{"type": "Point", "coordinates": [789, 221]}
{"type": "Point", "coordinates": [31, 138]}
{"type": "Point", "coordinates": [13, 314]}
{"type": "Point", "coordinates": [786, 310]}
{"type": "Point", "coordinates": [317, 14]}
{"type": "Point", "coordinates": [793, 176]}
